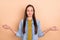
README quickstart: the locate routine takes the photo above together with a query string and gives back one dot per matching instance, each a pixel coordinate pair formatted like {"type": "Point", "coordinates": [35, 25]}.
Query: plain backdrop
{"type": "Point", "coordinates": [12, 11]}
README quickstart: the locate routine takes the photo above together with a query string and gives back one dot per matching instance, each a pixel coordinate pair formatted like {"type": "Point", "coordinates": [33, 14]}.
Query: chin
{"type": "Point", "coordinates": [29, 16]}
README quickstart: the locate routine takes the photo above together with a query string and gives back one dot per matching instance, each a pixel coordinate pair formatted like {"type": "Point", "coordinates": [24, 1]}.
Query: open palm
{"type": "Point", "coordinates": [54, 28]}
{"type": "Point", "coordinates": [6, 26]}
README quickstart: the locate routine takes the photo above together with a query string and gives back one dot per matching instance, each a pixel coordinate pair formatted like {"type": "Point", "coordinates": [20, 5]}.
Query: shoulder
{"type": "Point", "coordinates": [38, 21]}
{"type": "Point", "coordinates": [21, 22]}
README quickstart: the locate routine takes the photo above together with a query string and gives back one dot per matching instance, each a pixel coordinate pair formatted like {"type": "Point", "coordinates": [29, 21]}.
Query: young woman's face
{"type": "Point", "coordinates": [29, 11]}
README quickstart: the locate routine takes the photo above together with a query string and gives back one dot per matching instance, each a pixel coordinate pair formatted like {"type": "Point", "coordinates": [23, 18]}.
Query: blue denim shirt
{"type": "Point", "coordinates": [34, 36]}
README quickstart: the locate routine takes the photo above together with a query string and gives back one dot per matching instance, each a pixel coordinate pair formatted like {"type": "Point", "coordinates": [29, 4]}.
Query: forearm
{"type": "Point", "coordinates": [46, 31]}
{"type": "Point", "coordinates": [13, 31]}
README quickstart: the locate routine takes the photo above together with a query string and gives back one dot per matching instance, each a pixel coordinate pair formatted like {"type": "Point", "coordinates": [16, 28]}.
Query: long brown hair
{"type": "Point", "coordinates": [33, 16]}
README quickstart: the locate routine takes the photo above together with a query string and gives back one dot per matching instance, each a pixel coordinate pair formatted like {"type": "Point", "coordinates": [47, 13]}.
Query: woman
{"type": "Point", "coordinates": [29, 27]}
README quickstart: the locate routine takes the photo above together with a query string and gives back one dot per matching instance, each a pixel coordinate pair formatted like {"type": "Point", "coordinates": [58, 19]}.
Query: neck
{"type": "Point", "coordinates": [29, 18]}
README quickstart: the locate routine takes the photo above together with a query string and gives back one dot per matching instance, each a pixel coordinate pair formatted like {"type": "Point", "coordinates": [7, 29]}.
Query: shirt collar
{"type": "Point", "coordinates": [32, 21]}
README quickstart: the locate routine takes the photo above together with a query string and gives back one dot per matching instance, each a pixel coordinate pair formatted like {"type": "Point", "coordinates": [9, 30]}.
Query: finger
{"type": "Point", "coordinates": [4, 25]}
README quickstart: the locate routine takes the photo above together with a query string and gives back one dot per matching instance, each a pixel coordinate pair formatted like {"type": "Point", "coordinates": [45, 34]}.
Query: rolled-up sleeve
{"type": "Point", "coordinates": [19, 32]}
{"type": "Point", "coordinates": [40, 33]}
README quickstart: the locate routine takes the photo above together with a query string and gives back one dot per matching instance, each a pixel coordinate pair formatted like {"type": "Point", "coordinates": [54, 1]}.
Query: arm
{"type": "Point", "coordinates": [19, 32]}
{"type": "Point", "coordinates": [13, 31]}
{"type": "Point", "coordinates": [42, 33]}
{"type": "Point", "coordinates": [47, 30]}
{"type": "Point", "coordinates": [53, 28]}
{"type": "Point", "coordinates": [8, 27]}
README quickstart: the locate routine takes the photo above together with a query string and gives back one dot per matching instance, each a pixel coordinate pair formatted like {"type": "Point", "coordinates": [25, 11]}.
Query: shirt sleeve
{"type": "Point", "coordinates": [19, 32]}
{"type": "Point", "coordinates": [40, 33]}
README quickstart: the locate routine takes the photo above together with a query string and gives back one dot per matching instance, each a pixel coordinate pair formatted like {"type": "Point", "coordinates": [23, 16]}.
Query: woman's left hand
{"type": "Point", "coordinates": [54, 28]}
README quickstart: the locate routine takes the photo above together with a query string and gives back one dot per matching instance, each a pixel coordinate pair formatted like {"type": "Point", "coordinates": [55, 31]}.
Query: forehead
{"type": "Point", "coordinates": [30, 8]}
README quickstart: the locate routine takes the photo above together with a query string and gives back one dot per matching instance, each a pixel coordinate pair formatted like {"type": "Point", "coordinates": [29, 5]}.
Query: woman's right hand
{"type": "Point", "coordinates": [6, 26]}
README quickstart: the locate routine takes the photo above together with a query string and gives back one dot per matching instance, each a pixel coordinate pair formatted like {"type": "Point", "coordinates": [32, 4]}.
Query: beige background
{"type": "Point", "coordinates": [47, 11]}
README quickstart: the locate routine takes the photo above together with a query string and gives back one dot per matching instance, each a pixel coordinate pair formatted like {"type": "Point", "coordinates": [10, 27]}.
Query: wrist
{"type": "Point", "coordinates": [49, 29]}
{"type": "Point", "coordinates": [10, 28]}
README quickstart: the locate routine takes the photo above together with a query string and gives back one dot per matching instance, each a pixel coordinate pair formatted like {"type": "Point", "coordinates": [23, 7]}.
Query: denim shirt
{"type": "Point", "coordinates": [34, 36]}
